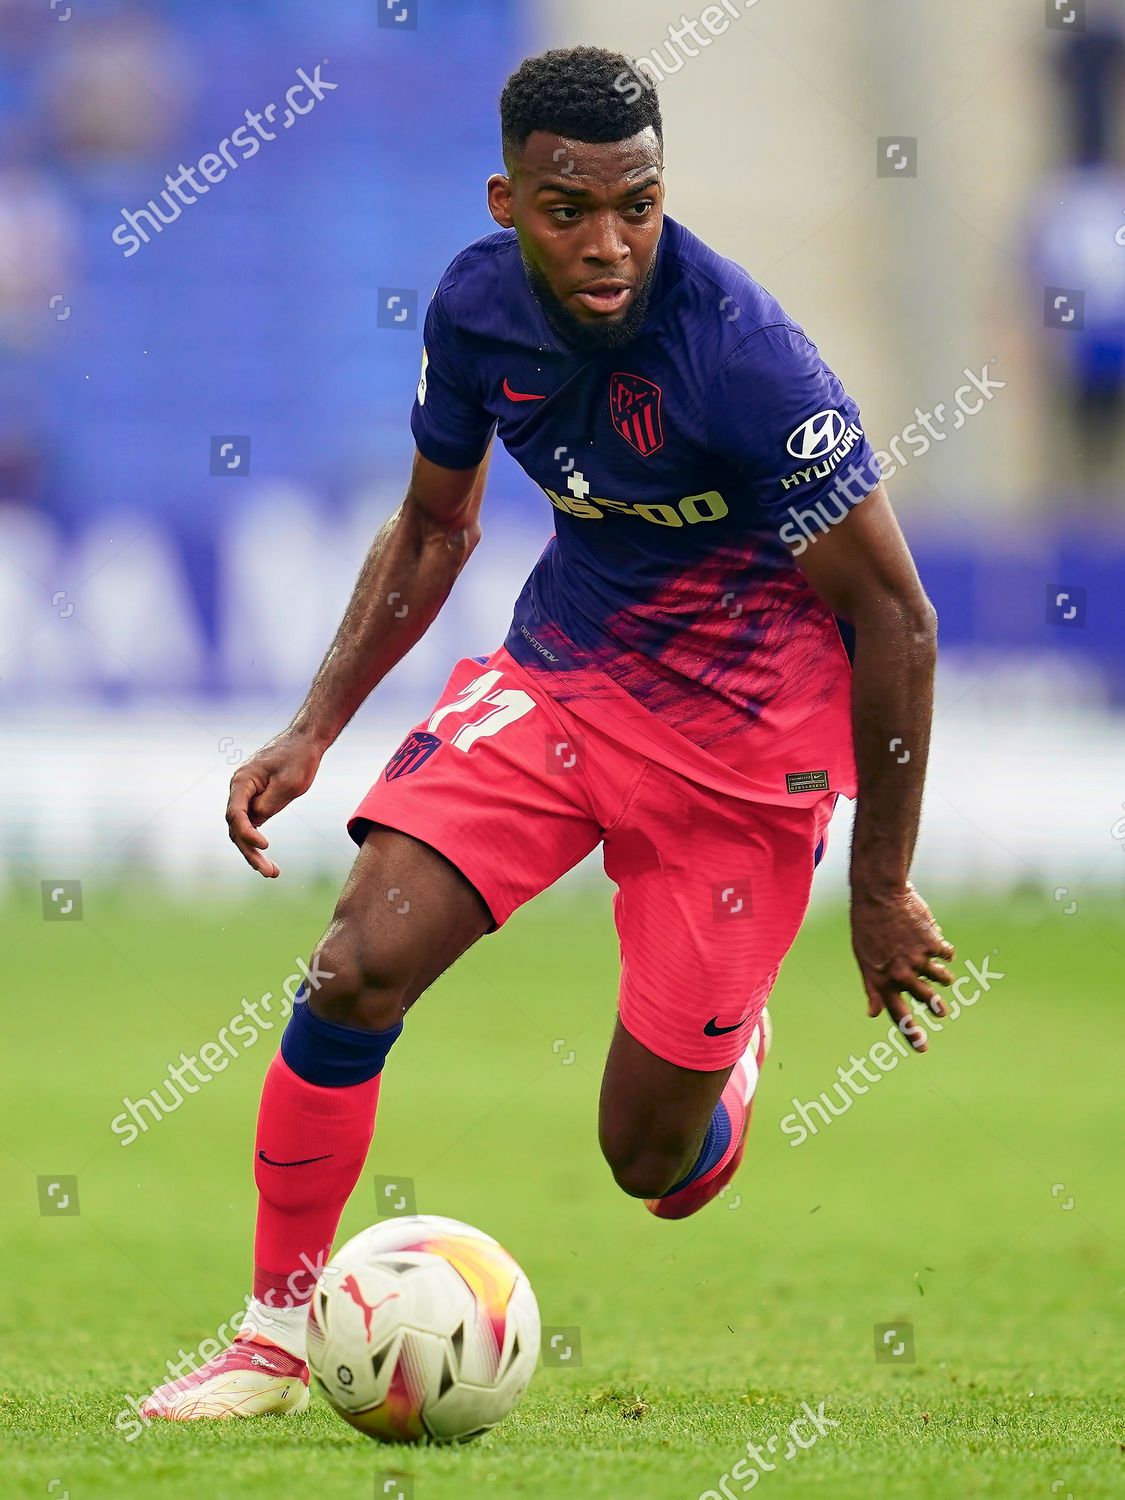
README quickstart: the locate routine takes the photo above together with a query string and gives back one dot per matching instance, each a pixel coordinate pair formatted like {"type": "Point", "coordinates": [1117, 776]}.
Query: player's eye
{"type": "Point", "coordinates": [564, 213]}
{"type": "Point", "coordinates": [640, 210]}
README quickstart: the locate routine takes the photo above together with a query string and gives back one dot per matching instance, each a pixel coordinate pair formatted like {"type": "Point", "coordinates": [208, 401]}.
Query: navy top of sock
{"type": "Point", "coordinates": [331, 1055]}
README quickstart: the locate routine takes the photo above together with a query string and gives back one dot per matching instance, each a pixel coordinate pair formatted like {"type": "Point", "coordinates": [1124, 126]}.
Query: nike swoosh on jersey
{"type": "Point", "coordinates": [520, 395]}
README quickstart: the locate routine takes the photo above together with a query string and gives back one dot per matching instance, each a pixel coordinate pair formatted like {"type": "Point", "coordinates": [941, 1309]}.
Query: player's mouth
{"type": "Point", "coordinates": [605, 296]}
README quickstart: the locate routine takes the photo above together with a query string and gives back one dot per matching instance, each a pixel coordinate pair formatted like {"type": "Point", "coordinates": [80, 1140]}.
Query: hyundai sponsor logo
{"type": "Point", "coordinates": [818, 436]}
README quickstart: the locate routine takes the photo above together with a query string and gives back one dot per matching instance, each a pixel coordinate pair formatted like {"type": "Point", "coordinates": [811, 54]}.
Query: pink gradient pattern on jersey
{"type": "Point", "coordinates": [735, 653]}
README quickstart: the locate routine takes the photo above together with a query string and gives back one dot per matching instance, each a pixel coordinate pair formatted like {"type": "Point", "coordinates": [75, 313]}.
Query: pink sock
{"type": "Point", "coordinates": [311, 1145]}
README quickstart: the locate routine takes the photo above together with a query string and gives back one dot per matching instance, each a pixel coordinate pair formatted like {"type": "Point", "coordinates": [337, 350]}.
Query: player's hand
{"type": "Point", "coordinates": [899, 947]}
{"type": "Point", "coordinates": [282, 770]}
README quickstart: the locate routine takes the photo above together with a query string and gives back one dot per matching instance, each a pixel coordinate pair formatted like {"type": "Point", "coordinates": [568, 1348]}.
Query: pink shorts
{"type": "Point", "coordinates": [514, 791]}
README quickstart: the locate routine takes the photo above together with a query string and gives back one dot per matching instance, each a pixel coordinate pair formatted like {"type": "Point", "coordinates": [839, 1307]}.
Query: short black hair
{"type": "Point", "coordinates": [584, 93]}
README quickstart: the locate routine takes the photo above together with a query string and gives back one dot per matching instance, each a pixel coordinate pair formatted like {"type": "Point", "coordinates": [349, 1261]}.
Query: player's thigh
{"type": "Point", "coordinates": [476, 786]}
{"type": "Point", "coordinates": [404, 915]}
{"type": "Point", "coordinates": [711, 893]}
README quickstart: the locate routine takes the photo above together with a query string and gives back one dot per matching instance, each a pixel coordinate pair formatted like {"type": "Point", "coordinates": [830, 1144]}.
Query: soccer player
{"type": "Point", "coordinates": [725, 634]}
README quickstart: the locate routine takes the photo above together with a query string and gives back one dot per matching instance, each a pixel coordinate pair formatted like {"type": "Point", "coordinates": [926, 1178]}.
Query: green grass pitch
{"type": "Point", "coordinates": [972, 1194]}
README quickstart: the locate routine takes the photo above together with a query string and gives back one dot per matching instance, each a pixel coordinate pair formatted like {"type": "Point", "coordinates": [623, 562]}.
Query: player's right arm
{"type": "Point", "coordinates": [404, 582]}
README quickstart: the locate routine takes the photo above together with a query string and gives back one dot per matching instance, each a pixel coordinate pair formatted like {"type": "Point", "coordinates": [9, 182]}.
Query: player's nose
{"type": "Point", "coordinates": [605, 244]}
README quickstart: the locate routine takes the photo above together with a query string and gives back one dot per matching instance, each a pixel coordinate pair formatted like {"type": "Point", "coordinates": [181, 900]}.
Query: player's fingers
{"type": "Point", "coordinates": [900, 1013]}
{"type": "Point", "coordinates": [245, 788]}
{"type": "Point", "coordinates": [927, 995]}
{"type": "Point", "coordinates": [243, 832]}
{"type": "Point", "coordinates": [875, 1005]}
{"type": "Point", "coordinates": [917, 987]}
{"type": "Point", "coordinates": [242, 787]}
{"type": "Point", "coordinates": [258, 861]}
{"type": "Point", "coordinates": [937, 1006]}
{"type": "Point", "coordinates": [938, 972]}
{"type": "Point", "coordinates": [243, 835]}
{"type": "Point", "coordinates": [261, 863]}
{"type": "Point", "coordinates": [940, 946]}
{"type": "Point", "coordinates": [275, 795]}
{"type": "Point", "coordinates": [250, 844]}
{"type": "Point", "coordinates": [883, 995]}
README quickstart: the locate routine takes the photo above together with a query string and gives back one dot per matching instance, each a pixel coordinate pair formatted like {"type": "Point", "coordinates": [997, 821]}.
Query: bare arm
{"type": "Point", "coordinates": [864, 572]}
{"type": "Point", "coordinates": [404, 581]}
{"type": "Point", "coordinates": [406, 578]}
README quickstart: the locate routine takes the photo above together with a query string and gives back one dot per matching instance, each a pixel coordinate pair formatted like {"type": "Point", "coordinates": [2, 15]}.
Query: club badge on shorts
{"type": "Point", "coordinates": [414, 751]}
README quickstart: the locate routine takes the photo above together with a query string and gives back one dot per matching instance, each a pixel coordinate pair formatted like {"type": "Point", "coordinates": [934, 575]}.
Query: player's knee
{"type": "Point", "coordinates": [361, 980]}
{"type": "Point", "coordinates": [643, 1172]}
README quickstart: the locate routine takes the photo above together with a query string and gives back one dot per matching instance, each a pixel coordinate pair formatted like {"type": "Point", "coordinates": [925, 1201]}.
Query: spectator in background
{"type": "Point", "coordinates": [1078, 256]}
{"type": "Point", "coordinates": [116, 89]}
{"type": "Point", "coordinates": [38, 236]}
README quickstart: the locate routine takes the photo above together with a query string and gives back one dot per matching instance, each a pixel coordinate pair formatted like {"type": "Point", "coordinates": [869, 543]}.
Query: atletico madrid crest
{"type": "Point", "coordinates": [414, 751]}
{"type": "Point", "coordinates": [634, 406]}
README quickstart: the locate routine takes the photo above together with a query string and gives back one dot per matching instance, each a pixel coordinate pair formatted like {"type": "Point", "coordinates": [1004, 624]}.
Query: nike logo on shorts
{"type": "Point", "coordinates": [711, 1029]}
{"type": "Point", "coordinates": [304, 1162]}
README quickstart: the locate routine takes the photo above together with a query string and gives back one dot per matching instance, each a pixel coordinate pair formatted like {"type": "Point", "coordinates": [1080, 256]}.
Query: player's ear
{"type": "Point", "coordinates": [500, 200]}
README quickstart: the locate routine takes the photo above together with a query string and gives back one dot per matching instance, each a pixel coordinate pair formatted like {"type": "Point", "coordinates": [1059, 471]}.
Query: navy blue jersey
{"type": "Point", "coordinates": [686, 471]}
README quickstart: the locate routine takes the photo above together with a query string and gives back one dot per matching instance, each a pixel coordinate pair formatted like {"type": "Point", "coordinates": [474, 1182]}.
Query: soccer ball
{"type": "Point", "coordinates": [423, 1328]}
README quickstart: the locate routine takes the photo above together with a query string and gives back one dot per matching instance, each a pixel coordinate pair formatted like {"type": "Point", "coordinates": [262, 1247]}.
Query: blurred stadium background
{"type": "Point", "coordinates": [198, 441]}
{"type": "Point", "coordinates": [165, 597]}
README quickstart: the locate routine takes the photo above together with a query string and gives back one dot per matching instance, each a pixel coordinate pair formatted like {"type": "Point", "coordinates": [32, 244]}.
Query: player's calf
{"type": "Point", "coordinates": [657, 1120]}
{"type": "Point", "coordinates": [317, 1113]}
{"type": "Point", "coordinates": [402, 918]}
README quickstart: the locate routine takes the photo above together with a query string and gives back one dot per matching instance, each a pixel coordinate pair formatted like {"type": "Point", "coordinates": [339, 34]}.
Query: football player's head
{"type": "Point", "coordinates": [583, 188]}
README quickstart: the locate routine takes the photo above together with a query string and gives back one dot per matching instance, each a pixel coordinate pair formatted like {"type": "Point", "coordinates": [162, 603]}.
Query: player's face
{"type": "Point", "coordinates": [589, 219]}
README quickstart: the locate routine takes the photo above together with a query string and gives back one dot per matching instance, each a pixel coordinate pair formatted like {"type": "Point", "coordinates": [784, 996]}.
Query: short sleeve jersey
{"type": "Point", "coordinates": [687, 471]}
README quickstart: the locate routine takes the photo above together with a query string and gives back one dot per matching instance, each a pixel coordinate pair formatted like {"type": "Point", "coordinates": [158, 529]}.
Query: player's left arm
{"type": "Point", "coordinates": [863, 571]}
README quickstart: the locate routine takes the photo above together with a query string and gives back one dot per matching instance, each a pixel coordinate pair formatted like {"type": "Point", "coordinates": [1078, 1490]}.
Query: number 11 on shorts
{"type": "Point", "coordinates": [509, 704]}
